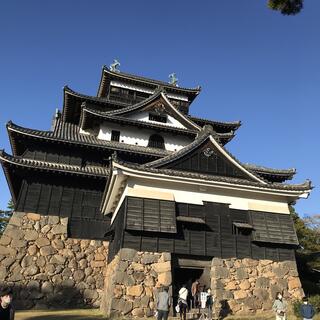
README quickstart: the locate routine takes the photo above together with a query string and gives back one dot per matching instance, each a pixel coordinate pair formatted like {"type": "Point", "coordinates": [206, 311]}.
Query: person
{"type": "Point", "coordinates": [163, 304]}
{"type": "Point", "coordinates": [194, 293]}
{"type": "Point", "coordinates": [209, 303]}
{"type": "Point", "coordinates": [306, 310]}
{"type": "Point", "coordinates": [280, 307]}
{"type": "Point", "coordinates": [6, 308]}
{"type": "Point", "coordinates": [182, 302]}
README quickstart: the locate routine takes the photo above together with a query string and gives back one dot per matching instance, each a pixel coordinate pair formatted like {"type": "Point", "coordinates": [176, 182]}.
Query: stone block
{"type": "Point", "coordinates": [220, 272]}
{"type": "Point", "coordinates": [239, 294]}
{"type": "Point", "coordinates": [150, 258]}
{"type": "Point", "coordinates": [15, 221]}
{"type": "Point", "coordinates": [137, 266]}
{"type": "Point", "coordinates": [31, 270]}
{"type": "Point", "coordinates": [261, 294]}
{"type": "Point", "coordinates": [47, 287]}
{"type": "Point", "coordinates": [59, 229]}
{"type": "Point", "coordinates": [58, 259]}
{"type": "Point", "coordinates": [138, 276]}
{"type": "Point", "coordinates": [249, 262]}
{"type": "Point", "coordinates": [41, 242]}
{"type": "Point", "coordinates": [165, 256]}
{"type": "Point", "coordinates": [31, 235]}
{"type": "Point", "coordinates": [99, 257]}
{"type": "Point", "coordinates": [45, 229]}
{"type": "Point", "coordinates": [135, 291]}
{"type": "Point", "coordinates": [17, 243]}
{"type": "Point", "coordinates": [280, 272]}
{"type": "Point", "coordinates": [123, 265]}
{"type": "Point", "coordinates": [33, 216]}
{"type": "Point", "coordinates": [252, 303]}
{"type": "Point", "coordinates": [294, 283]}
{"type": "Point", "coordinates": [47, 250]}
{"type": "Point", "coordinates": [231, 285]}
{"type": "Point", "coordinates": [149, 281]}
{"type": "Point", "coordinates": [5, 240]}
{"type": "Point", "coordinates": [53, 220]}
{"type": "Point", "coordinates": [126, 254]}
{"type": "Point", "coordinates": [90, 294]}
{"type": "Point", "coordinates": [217, 262]}
{"type": "Point", "coordinates": [128, 280]}
{"type": "Point", "coordinates": [245, 285]}
{"type": "Point", "coordinates": [262, 282]}
{"type": "Point", "coordinates": [165, 278]}
{"type": "Point", "coordinates": [138, 312]}
{"type": "Point", "coordinates": [27, 261]}
{"type": "Point", "coordinates": [78, 275]}
{"type": "Point", "coordinates": [98, 264]}
{"type": "Point", "coordinates": [242, 274]}
{"type": "Point", "coordinates": [7, 262]}
{"type": "Point", "coordinates": [14, 233]}
{"type": "Point", "coordinates": [7, 251]}
{"type": "Point", "coordinates": [162, 267]}
{"type": "Point", "coordinates": [124, 306]}
{"type": "Point", "coordinates": [3, 273]}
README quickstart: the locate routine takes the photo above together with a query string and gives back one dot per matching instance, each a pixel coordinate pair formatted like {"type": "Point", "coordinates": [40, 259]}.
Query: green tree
{"type": "Point", "coordinates": [5, 216]}
{"type": "Point", "coordinates": [307, 256]}
{"type": "Point", "coordinates": [286, 7]}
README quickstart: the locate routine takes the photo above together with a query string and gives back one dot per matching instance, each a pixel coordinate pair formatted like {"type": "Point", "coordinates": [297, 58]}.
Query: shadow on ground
{"type": "Point", "coordinates": [60, 317]}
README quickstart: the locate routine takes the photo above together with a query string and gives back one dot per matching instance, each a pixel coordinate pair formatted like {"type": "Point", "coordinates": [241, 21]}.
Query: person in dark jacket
{"type": "Point", "coordinates": [6, 308]}
{"type": "Point", "coordinates": [306, 310]}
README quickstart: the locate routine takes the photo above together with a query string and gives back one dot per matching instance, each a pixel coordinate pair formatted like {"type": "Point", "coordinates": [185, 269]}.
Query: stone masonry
{"type": "Point", "coordinates": [132, 280]}
{"type": "Point", "coordinates": [47, 269]}
{"type": "Point", "coordinates": [251, 285]}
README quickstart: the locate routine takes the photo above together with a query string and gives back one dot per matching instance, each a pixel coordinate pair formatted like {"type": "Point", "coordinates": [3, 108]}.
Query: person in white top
{"type": "Point", "coordinates": [182, 302]}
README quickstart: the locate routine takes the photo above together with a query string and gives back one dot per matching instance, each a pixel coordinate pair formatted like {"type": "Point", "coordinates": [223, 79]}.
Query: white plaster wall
{"type": "Point", "coordinates": [195, 194]}
{"type": "Point", "coordinates": [144, 116]}
{"type": "Point", "coordinates": [140, 137]}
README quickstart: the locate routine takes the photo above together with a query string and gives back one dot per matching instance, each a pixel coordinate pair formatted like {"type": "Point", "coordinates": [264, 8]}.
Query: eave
{"type": "Point", "coordinates": [72, 101]}
{"type": "Point", "coordinates": [90, 113]}
{"type": "Point", "coordinates": [11, 164]}
{"type": "Point", "coordinates": [271, 174]}
{"type": "Point", "coordinates": [125, 170]}
{"type": "Point", "coordinates": [107, 76]}
{"type": "Point", "coordinates": [77, 139]}
{"type": "Point", "coordinates": [218, 126]}
{"type": "Point", "coordinates": [93, 171]}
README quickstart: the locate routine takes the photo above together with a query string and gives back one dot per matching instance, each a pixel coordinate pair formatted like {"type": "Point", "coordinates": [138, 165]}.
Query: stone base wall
{"type": "Point", "coordinates": [251, 285]}
{"type": "Point", "coordinates": [47, 269]}
{"type": "Point", "coordinates": [132, 280]}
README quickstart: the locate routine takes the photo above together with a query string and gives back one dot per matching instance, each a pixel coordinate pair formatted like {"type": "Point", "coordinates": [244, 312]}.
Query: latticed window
{"type": "Point", "coordinates": [115, 135]}
{"type": "Point", "coordinates": [158, 117]}
{"type": "Point", "coordinates": [156, 141]}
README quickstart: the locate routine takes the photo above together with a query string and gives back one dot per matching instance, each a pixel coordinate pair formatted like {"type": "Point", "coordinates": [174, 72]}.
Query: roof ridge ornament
{"type": "Point", "coordinates": [115, 66]}
{"type": "Point", "coordinates": [173, 79]}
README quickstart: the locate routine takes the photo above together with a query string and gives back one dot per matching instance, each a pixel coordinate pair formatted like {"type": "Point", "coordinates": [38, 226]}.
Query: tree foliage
{"type": "Point", "coordinates": [5, 216]}
{"type": "Point", "coordinates": [308, 255]}
{"type": "Point", "coordinates": [286, 7]}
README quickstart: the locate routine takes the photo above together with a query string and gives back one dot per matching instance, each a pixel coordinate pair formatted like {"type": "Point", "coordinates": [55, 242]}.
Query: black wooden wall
{"type": "Point", "coordinates": [208, 159]}
{"type": "Point", "coordinates": [77, 155]}
{"type": "Point", "coordinates": [218, 237]}
{"type": "Point", "coordinates": [78, 199]}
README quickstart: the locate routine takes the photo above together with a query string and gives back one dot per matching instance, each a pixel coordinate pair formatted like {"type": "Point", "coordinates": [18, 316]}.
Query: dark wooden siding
{"type": "Point", "coordinates": [150, 215]}
{"type": "Point", "coordinates": [76, 154]}
{"type": "Point", "coordinates": [77, 199]}
{"type": "Point", "coordinates": [273, 228]}
{"type": "Point", "coordinates": [208, 159]}
{"type": "Point", "coordinates": [217, 238]}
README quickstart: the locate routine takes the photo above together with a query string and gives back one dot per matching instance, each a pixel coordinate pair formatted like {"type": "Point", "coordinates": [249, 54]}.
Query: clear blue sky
{"type": "Point", "coordinates": [254, 65]}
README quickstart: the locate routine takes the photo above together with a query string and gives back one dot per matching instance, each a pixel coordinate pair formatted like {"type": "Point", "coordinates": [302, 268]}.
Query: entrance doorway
{"type": "Point", "coordinates": [186, 276]}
